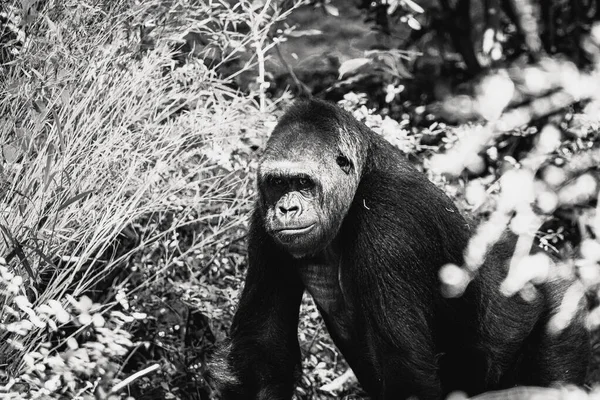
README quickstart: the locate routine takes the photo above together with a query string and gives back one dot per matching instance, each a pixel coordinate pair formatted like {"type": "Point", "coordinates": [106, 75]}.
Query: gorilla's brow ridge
{"type": "Point", "coordinates": [287, 168]}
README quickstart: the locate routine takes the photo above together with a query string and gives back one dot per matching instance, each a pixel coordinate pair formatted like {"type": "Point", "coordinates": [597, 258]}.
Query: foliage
{"type": "Point", "coordinates": [129, 135]}
{"type": "Point", "coordinates": [82, 345]}
{"type": "Point", "coordinates": [103, 137]}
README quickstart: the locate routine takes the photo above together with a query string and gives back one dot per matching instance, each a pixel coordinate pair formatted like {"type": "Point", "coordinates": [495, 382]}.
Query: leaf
{"type": "Point", "coordinates": [52, 26]}
{"type": "Point", "coordinates": [332, 10]}
{"type": "Point", "coordinates": [24, 139]}
{"type": "Point", "coordinates": [306, 32]}
{"type": "Point", "coordinates": [61, 140]}
{"type": "Point", "coordinates": [338, 384]}
{"type": "Point", "coordinates": [98, 320]}
{"type": "Point", "coordinates": [47, 258]}
{"type": "Point", "coordinates": [403, 71]}
{"type": "Point", "coordinates": [38, 106]}
{"type": "Point", "coordinates": [75, 199]}
{"type": "Point", "coordinates": [22, 207]}
{"type": "Point", "coordinates": [414, 24]}
{"type": "Point", "coordinates": [10, 153]}
{"type": "Point", "coordinates": [48, 166]}
{"type": "Point", "coordinates": [352, 65]}
{"type": "Point", "coordinates": [13, 88]}
{"type": "Point", "coordinates": [256, 4]}
{"type": "Point", "coordinates": [414, 6]}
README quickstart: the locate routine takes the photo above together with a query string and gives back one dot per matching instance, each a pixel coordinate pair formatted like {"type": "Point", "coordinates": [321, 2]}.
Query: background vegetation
{"type": "Point", "coordinates": [130, 132]}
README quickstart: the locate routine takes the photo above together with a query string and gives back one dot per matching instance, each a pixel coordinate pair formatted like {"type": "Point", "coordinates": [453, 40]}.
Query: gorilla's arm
{"type": "Point", "coordinates": [262, 358]}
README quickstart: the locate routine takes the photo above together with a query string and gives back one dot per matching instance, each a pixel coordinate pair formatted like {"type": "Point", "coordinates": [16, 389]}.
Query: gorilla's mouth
{"type": "Point", "coordinates": [295, 230]}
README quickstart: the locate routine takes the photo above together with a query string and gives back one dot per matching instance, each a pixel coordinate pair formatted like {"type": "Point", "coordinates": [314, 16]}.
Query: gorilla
{"type": "Point", "coordinates": [343, 215]}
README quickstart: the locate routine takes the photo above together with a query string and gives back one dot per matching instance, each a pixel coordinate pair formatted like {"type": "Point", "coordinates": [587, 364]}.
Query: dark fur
{"type": "Point", "coordinates": [398, 333]}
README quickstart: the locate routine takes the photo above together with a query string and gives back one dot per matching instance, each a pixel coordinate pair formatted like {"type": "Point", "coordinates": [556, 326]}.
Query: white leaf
{"type": "Point", "coordinates": [352, 65]}
{"type": "Point", "coordinates": [414, 24]}
{"type": "Point", "coordinates": [52, 26]}
{"type": "Point", "coordinates": [489, 38]}
{"type": "Point", "coordinates": [98, 320]}
{"type": "Point", "coordinates": [10, 153]}
{"type": "Point", "coordinates": [331, 10]}
{"type": "Point", "coordinates": [306, 32]}
{"type": "Point", "coordinates": [414, 6]}
{"type": "Point", "coordinates": [72, 343]}
{"type": "Point", "coordinates": [85, 303]}
{"type": "Point", "coordinates": [85, 319]}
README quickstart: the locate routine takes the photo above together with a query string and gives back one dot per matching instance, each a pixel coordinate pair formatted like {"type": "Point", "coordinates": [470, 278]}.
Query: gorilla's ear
{"type": "Point", "coordinates": [344, 163]}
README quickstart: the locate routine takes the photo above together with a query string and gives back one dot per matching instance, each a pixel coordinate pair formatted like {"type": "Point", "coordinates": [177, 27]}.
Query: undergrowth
{"type": "Point", "coordinates": [103, 131]}
{"type": "Point", "coordinates": [127, 159]}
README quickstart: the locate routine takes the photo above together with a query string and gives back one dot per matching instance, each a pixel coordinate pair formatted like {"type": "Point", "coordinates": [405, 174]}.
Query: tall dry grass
{"type": "Point", "coordinates": [99, 126]}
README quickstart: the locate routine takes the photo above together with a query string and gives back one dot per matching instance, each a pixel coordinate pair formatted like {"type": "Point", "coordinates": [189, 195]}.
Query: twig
{"type": "Point", "coordinates": [135, 376]}
{"type": "Point", "coordinates": [302, 88]}
{"type": "Point", "coordinates": [131, 353]}
{"type": "Point", "coordinates": [260, 55]}
{"type": "Point", "coordinates": [314, 338]}
{"type": "Point", "coordinates": [338, 383]}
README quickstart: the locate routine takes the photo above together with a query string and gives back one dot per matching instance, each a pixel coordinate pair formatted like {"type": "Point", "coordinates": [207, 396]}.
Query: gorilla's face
{"type": "Point", "coordinates": [306, 185]}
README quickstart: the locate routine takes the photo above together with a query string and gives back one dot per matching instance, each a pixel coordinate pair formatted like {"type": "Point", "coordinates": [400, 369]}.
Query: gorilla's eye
{"type": "Point", "coordinates": [344, 163]}
{"type": "Point", "coordinates": [274, 181]}
{"type": "Point", "coordinates": [305, 183]}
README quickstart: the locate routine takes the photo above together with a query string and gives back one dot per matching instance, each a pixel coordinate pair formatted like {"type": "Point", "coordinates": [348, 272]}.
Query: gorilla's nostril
{"type": "Point", "coordinates": [290, 209]}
